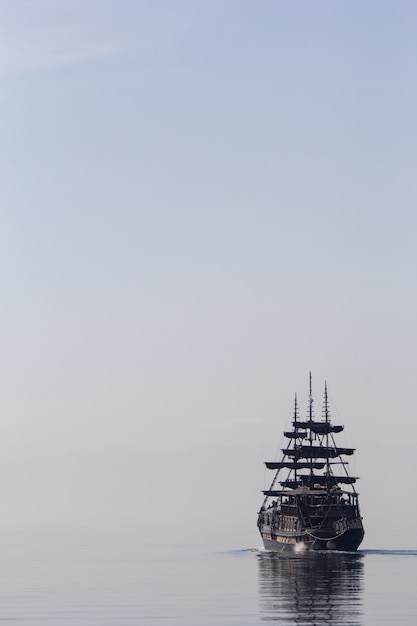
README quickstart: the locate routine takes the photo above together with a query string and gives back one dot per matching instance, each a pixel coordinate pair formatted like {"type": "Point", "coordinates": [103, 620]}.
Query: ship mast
{"type": "Point", "coordinates": [326, 414]}
{"type": "Point", "coordinates": [310, 419]}
{"type": "Point", "coordinates": [295, 429]}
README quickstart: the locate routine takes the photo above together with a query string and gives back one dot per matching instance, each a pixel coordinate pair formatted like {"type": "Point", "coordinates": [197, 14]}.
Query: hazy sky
{"type": "Point", "coordinates": [200, 202]}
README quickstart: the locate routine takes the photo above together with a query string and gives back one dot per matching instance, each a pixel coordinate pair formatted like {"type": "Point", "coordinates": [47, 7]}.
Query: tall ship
{"type": "Point", "coordinates": [312, 503]}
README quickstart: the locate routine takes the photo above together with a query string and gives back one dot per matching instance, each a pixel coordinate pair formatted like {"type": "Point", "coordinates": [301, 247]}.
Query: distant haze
{"type": "Point", "coordinates": [200, 203]}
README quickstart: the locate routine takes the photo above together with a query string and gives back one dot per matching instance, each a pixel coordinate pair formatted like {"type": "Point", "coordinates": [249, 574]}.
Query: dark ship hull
{"type": "Point", "coordinates": [348, 541]}
{"type": "Point", "coordinates": [316, 508]}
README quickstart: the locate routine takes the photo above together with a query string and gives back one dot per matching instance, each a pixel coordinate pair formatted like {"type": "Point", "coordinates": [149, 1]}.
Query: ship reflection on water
{"type": "Point", "coordinates": [317, 588]}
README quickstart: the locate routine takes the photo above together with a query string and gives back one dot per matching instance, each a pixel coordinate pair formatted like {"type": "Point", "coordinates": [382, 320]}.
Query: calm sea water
{"type": "Point", "coordinates": [114, 578]}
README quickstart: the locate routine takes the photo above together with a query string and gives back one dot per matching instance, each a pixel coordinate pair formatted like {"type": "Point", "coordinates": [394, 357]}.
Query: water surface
{"type": "Point", "coordinates": [112, 578]}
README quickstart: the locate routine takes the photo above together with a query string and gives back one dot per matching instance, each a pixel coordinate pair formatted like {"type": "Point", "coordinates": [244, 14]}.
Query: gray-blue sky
{"type": "Point", "coordinates": [200, 202]}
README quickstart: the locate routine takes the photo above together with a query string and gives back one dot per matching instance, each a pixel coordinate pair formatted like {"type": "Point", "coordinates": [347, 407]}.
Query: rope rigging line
{"type": "Point", "coordinates": [325, 538]}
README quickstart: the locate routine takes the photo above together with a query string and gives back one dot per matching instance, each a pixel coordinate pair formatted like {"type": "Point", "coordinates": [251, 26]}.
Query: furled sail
{"type": "Point", "coordinates": [311, 480]}
{"type": "Point", "coordinates": [317, 452]}
{"type": "Point", "coordinates": [319, 428]}
{"type": "Point", "coordinates": [292, 465]}
{"type": "Point", "coordinates": [295, 435]}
